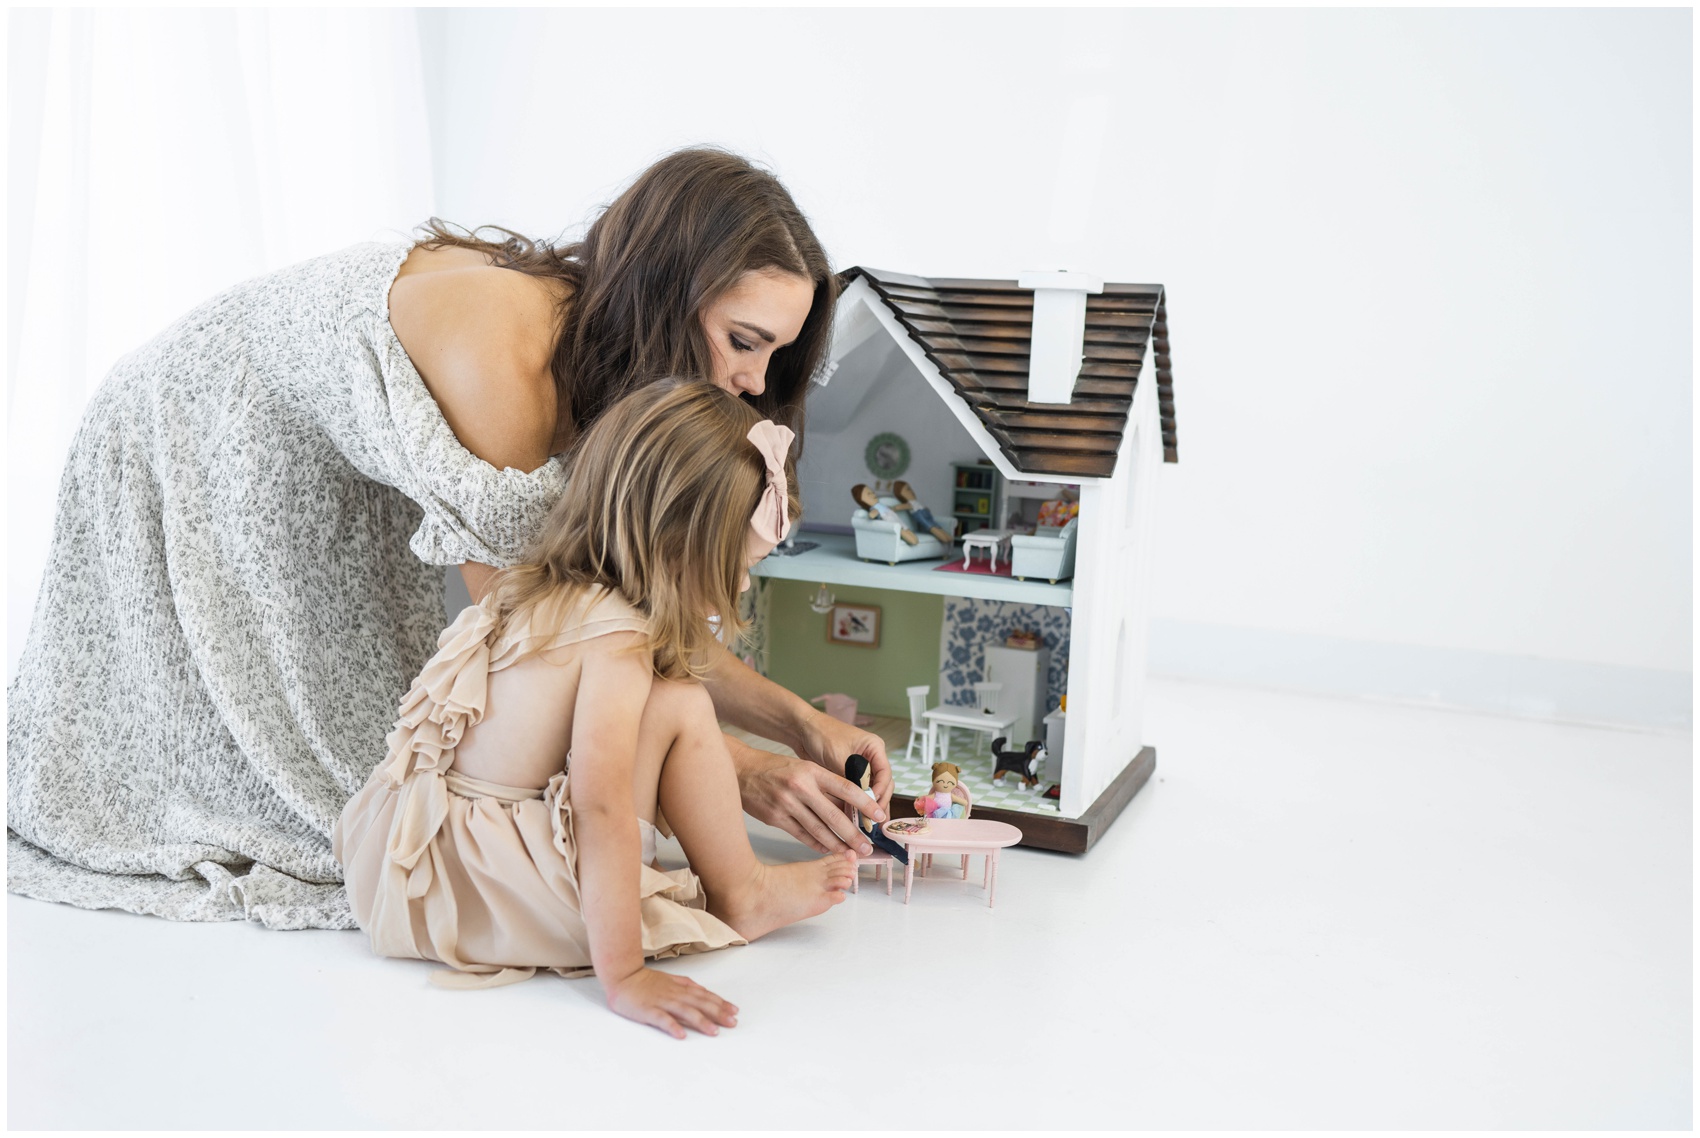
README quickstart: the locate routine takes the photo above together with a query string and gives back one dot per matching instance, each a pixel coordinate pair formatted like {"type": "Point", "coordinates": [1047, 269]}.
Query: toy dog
{"type": "Point", "coordinates": [1023, 764]}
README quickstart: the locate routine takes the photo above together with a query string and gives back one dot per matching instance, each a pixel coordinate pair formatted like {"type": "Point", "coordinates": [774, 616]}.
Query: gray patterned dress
{"type": "Point", "coordinates": [244, 578]}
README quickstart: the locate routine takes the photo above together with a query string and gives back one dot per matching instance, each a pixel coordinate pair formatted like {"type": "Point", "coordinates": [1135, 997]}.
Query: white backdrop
{"type": "Point", "coordinates": [156, 158]}
{"type": "Point", "coordinates": [1430, 273]}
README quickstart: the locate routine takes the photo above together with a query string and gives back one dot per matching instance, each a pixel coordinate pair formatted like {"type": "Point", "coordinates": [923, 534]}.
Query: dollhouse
{"type": "Point", "coordinates": [1032, 416]}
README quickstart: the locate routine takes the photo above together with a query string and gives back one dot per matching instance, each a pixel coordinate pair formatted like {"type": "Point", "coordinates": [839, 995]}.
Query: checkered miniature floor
{"type": "Point", "coordinates": [969, 750]}
{"type": "Point", "coordinates": [913, 777]}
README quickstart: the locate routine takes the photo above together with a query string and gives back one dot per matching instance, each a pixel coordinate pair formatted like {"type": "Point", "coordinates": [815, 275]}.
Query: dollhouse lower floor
{"type": "Point", "coordinates": [911, 775]}
{"type": "Point", "coordinates": [1319, 914]}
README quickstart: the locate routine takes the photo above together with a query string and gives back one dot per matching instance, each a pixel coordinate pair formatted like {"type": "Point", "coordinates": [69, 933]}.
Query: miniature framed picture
{"type": "Point", "coordinates": [854, 624]}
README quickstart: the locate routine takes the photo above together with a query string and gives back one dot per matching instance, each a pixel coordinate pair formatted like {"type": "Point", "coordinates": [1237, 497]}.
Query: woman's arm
{"type": "Point", "coordinates": [806, 800]}
{"type": "Point", "coordinates": [613, 688]}
{"type": "Point", "coordinates": [482, 339]}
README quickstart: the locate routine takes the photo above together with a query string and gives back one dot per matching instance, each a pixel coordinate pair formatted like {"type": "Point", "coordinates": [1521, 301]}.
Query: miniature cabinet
{"type": "Point", "coordinates": [1023, 673]}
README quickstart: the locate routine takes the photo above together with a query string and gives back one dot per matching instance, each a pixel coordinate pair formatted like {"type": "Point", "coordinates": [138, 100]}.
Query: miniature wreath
{"type": "Point", "coordinates": [887, 455]}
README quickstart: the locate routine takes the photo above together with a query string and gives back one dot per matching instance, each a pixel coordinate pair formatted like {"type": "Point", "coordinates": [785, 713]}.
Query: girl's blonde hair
{"type": "Point", "coordinates": [658, 508]}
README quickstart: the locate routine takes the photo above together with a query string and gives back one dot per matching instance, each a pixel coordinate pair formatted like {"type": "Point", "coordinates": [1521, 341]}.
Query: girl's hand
{"type": "Point", "coordinates": [671, 1003]}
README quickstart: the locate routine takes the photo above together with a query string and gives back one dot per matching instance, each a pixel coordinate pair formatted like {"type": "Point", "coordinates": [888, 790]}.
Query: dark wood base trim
{"type": "Point", "coordinates": [1066, 835]}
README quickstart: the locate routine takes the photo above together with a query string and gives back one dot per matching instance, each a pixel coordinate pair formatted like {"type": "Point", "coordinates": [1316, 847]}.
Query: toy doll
{"type": "Point", "coordinates": [869, 501]}
{"type": "Point", "coordinates": [922, 516]}
{"type": "Point", "coordinates": [861, 772]}
{"type": "Point", "coordinates": [948, 799]}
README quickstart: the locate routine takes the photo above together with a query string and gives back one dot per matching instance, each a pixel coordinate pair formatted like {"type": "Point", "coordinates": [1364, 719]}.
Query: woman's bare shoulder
{"type": "Point", "coordinates": [482, 339]}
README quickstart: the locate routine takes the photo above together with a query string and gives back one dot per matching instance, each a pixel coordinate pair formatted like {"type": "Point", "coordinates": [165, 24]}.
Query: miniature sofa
{"type": "Point", "coordinates": [1047, 553]}
{"type": "Point", "coordinates": [881, 540]}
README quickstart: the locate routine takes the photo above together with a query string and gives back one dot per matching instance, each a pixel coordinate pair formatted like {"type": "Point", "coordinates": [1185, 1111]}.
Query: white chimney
{"type": "Point", "coordinates": [1059, 332]}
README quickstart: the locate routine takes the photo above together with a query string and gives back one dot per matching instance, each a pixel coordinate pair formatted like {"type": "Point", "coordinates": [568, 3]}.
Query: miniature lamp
{"type": "Point", "coordinates": [1059, 332]}
{"type": "Point", "coordinates": [823, 600]}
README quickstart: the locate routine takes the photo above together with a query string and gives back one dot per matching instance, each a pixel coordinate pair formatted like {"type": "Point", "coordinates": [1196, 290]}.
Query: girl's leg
{"type": "Point", "coordinates": [683, 766]}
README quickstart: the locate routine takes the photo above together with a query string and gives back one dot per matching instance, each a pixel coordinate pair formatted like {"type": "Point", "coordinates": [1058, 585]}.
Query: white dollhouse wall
{"type": "Point", "coordinates": [874, 389]}
{"type": "Point", "coordinates": [1112, 591]}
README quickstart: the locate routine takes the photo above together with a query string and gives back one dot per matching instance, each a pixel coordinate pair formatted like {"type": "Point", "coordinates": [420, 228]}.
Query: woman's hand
{"type": "Point", "coordinates": [830, 741]}
{"type": "Point", "coordinates": [671, 1003]}
{"type": "Point", "coordinates": [804, 800]}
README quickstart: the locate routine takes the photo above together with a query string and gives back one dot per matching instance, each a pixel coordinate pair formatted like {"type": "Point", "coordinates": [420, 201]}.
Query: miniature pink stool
{"type": "Point", "coordinates": [965, 836]}
{"type": "Point", "coordinates": [880, 860]}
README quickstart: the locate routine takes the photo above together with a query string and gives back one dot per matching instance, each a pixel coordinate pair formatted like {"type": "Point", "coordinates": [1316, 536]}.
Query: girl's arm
{"type": "Point", "coordinates": [614, 683]}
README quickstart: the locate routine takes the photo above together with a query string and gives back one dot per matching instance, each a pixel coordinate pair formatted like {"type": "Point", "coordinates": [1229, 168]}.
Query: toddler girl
{"type": "Point", "coordinates": [562, 722]}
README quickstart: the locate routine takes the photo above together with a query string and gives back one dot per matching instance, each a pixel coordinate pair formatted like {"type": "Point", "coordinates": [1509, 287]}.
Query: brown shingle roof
{"type": "Point", "coordinates": [978, 334]}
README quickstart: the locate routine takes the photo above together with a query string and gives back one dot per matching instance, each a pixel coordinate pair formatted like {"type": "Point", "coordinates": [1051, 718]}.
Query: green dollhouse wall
{"type": "Point", "coordinates": [800, 657]}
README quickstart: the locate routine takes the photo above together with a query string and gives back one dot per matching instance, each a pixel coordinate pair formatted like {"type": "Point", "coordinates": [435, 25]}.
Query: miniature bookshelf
{"type": "Point", "coordinates": [978, 496]}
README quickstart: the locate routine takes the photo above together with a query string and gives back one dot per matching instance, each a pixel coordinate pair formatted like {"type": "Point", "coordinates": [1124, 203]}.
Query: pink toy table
{"type": "Point", "coordinates": [965, 836]}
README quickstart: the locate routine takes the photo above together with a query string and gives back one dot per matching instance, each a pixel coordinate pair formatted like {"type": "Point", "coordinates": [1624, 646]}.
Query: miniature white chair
{"type": "Point", "coordinates": [988, 694]}
{"type": "Point", "coordinates": [917, 724]}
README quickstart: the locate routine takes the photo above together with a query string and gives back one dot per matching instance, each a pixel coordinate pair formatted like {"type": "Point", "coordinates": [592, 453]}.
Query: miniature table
{"type": "Point", "coordinates": [963, 836]}
{"type": "Point", "coordinates": [948, 717]}
{"type": "Point", "coordinates": [989, 539]}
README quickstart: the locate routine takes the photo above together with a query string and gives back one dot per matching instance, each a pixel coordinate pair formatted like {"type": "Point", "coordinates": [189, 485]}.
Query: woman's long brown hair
{"type": "Point", "coordinates": [658, 508]}
{"type": "Point", "coordinates": [682, 234]}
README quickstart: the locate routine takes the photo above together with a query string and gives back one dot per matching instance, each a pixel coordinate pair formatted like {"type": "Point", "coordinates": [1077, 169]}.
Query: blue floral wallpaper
{"type": "Point", "coordinates": [970, 625]}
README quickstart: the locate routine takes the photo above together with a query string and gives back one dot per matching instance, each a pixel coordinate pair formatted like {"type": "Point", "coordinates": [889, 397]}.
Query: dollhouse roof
{"type": "Point", "coordinates": [978, 332]}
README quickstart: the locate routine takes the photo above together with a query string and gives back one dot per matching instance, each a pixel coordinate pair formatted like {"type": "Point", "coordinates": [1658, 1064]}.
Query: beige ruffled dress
{"type": "Point", "coordinates": [480, 876]}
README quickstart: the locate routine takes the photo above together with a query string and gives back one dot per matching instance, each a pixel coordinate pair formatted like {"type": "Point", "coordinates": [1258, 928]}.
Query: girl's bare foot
{"type": "Point", "coordinates": [777, 895]}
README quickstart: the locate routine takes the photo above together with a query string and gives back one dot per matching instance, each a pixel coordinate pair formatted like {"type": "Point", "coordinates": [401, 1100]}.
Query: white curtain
{"type": "Point", "coordinates": [158, 157]}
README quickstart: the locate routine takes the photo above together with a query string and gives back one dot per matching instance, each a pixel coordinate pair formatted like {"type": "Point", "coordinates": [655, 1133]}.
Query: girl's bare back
{"type": "Point", "coordinates": [527, 729]}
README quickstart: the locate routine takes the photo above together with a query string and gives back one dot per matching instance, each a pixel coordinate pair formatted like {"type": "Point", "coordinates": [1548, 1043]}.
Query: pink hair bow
{"type": "Point", "coordinates": [772, 517]}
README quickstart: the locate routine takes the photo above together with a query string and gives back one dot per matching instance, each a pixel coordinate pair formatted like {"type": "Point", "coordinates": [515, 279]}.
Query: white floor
{"type": "Point", "coordinates": [1319, 914]}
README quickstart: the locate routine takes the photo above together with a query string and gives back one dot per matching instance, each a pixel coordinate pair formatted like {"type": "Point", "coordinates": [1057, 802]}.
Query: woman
{"type": "Point", "coordinates": [244, 572]}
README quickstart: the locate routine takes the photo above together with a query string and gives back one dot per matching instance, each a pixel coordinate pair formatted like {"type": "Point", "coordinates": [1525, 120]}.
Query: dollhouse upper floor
{"type": "Point", "coordinates": [927, 375]}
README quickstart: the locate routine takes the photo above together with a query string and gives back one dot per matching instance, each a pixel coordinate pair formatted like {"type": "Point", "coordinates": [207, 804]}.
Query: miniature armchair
{"type": "Point", "coordinates": [880, 539]}
{"type": "Point", "coordinates": [1048, 553]}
